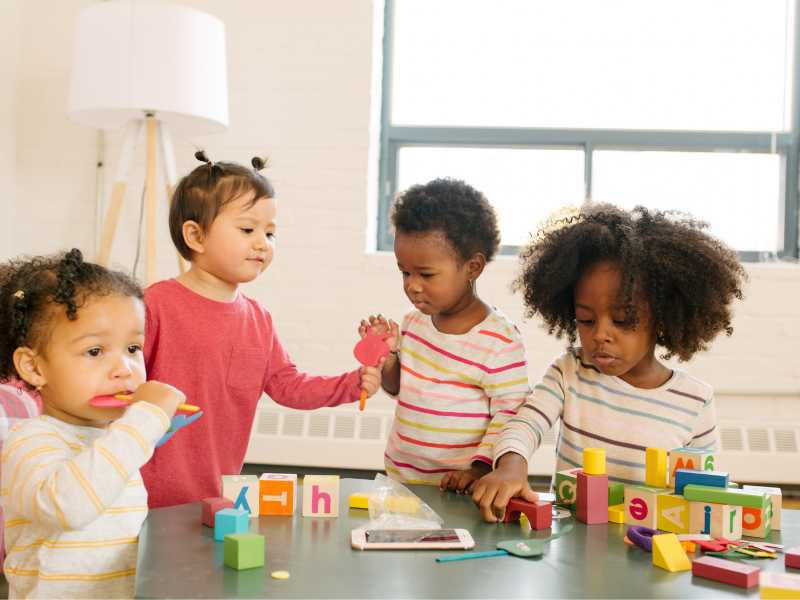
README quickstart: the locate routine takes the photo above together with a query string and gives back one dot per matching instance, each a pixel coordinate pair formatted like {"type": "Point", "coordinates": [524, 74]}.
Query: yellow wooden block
{"type": "Point", "coordinates": [669, 554]}
{"type": "Point", "coordinates": [779, 586]}
{"type": "Point", "coordinates": [673, 513]}
{"type": "Point", "coordinates": [359, 501]}
{"type": "Point", "coordinates": [656, 467]}
{"type": "Point", "coordinates": [616, 513]}
{"type": "Point", "coordinates": [594, 461]}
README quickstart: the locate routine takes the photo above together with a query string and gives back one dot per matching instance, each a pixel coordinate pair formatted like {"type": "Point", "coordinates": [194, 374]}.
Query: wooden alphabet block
{"type": "Point", "coordinates": [717, 520]}
{"type": "Point", "coordinates": [726, 571]}
{"type": "Point", "coordinates": [210, 506]}
{"type": "Point", "coordinates": [539, 514]}
{"type": "Point", "coordinates": [321, 496]}
{"type": "Point", "coordinates": [242, 490]}
{"type": "Point", "coordinates": [757, 522]}
{"type": "Point", "coordinates": [594, 461]}
{"type": "Point", "coordinates": [669, 554]}
{"type": "Point", "coordinates": [775, 495]}
{"type": "Point", "coordinates": [567, 488]}
{"type": "Point", "coordinates": [230, 520]}
{"type": "Point", "coordinates": [244, 551]}
{"type": "Point", "coordinates": [689, 458]}
{"type": "Point", "coordinates": [592, 502]}
{"type": "Point", "coordinates": [733, 496]}
{"type": "Point", "coordinates": [641, 505]}
{"type": "Point", "coordinates": [656, 467]}
{"type": "Point", "coordinates": [774, 586]}
{"type": "Point", "coordinates": [792, 557]}
{"type": "Point", "coordinates": [277, 494]}
{"type": "Point", "coordinates": [673, 513]}
{"type": "Point", "coordinates": [708, 478]}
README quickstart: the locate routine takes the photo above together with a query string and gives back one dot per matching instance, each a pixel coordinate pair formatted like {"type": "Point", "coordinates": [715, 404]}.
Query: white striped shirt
{"type": "Point", "coordinates": [600, 411]}
{"type": "Point", "coordinates": [74, 504]}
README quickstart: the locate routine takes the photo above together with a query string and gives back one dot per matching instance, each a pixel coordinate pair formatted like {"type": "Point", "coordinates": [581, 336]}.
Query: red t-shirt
{"type": "Point", "coordinates": [222, 355]}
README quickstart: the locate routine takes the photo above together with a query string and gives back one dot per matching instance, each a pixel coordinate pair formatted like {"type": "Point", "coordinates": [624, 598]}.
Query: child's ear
{"type": "Point", "coordinates": [475, 265]}
{"type": "Point", "coordinates": [194, 236]}
{"type": "Point", "coordinates": [26, 362]}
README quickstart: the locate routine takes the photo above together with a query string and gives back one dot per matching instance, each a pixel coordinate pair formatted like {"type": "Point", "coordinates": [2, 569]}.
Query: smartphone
{"type": "Point", "coordinates": [411, 539]}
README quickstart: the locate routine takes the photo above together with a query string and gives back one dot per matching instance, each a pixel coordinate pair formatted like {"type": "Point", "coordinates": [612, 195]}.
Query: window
{"type": "Point", "coordinates": [686, 104]}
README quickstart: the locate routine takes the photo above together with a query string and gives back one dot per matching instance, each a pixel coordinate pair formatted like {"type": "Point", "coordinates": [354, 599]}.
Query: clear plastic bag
{"type": "Point", "coordinates": [393, 506]}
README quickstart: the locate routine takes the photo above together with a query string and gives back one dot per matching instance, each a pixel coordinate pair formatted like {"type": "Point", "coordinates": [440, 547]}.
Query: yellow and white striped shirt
{"type": "Point", "coordinates": [74, 503]}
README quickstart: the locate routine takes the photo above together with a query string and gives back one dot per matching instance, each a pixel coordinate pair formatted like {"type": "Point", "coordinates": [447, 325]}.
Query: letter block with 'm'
{"type": "Point", "coordinates": [321, 496]}
{"type": "Point", "coordinates": [689, 458]}
{"type": "Point", "coordinates": [242, 490]}
{"type": "Point", "coordinates": [277, 494]}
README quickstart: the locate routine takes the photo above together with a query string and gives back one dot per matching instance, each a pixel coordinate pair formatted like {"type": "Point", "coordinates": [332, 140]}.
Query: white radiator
{"type": "Point", "coordinates": [345, 438]}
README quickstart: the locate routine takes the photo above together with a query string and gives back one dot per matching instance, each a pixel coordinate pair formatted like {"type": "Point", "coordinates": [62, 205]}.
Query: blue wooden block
{"type": "Point", "coordinates": [711, 478]}
{"type": "Point", "coordinates": [230, 520]}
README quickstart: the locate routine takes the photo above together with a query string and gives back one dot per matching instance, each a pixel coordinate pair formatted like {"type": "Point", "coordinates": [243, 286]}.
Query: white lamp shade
{"type": "Point", "coordinates": [133, 57]}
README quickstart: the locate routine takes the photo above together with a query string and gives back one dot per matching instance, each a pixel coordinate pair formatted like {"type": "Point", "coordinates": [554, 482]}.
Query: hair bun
{"type": "Point", "coordinates": [202, 156]}
{"type": "Point", "coordinates": [259, 163]}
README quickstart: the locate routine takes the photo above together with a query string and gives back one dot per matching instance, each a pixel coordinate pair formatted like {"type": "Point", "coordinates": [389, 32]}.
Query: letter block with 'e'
{"type": "Point", "coordinates": [242, 490]}
{"type": "Point", "coordinates": [641, 505]}
{"type": "Point", "coordinates": [321, 496]}
{"type": "Point", "coordinates": [277, 494]}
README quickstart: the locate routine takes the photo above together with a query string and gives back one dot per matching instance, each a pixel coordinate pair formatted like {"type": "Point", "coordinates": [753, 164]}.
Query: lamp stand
{"type": "Point", "coordinates": [157, 134]}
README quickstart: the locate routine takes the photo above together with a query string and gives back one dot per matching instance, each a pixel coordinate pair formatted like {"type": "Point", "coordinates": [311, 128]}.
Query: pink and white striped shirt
{"type": "Point", "coordinates": [456, 393]}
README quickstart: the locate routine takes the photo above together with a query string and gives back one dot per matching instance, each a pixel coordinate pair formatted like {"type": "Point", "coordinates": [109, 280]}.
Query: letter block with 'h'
{"type": "Point", "coordinates": [321, 496]}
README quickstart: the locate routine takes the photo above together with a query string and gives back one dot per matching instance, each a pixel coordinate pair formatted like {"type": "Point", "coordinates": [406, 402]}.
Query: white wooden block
{"type": "Point", "coordinates": [776, 496]}
{"type": "Point", "coordinates": [641, 505]}
{"type": "Point", "coordinates": [689, 458]}
{"type": "Point", "coordinates": [242, 490]}
{"type": "Point", "coordinates": [718, 520]}
{"type": "Point", "coordinates": [321, 496]}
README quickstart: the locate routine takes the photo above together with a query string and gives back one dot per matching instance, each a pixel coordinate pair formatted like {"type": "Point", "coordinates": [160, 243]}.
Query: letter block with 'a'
{"type": "Point", "coordinates": [277, 494]}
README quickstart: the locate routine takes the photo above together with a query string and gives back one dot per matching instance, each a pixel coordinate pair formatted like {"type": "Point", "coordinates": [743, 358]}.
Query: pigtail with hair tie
{"type": "Point", "coordinates": [203, 157]}
{"type": "Point", "coordinates": [259, 163]}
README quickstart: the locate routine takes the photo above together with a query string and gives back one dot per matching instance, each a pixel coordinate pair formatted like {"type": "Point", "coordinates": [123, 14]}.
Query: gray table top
{"type": "Point", "coordinates": [178, 558]}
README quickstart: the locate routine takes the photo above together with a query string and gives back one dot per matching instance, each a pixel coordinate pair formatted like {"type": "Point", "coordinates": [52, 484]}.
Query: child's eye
{"type": "Point", "coordinates": [270, 236]}
{"type": "Point", "coordinates": [404, 273]}
{"type": "Point", "coordinates": [246, 230]}
{"type": "Point", "coordinates": [427, 275]}
{"type": "Point", "coordinates": [584, 321]}
{"type": "Point", "coordinates": [134, 348]}
{"type": "Point", "coordinates": [94, 351]}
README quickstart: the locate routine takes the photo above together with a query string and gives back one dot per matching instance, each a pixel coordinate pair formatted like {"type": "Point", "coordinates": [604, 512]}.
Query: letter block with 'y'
{"type": "Point", "coordinates": [242, 490]}
{"type": "Point", "coordinates": [321, 496]}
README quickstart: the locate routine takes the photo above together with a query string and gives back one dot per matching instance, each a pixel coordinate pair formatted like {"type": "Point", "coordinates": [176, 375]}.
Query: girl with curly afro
{"type": "Point", "coordinates": [458, 366]}
{"type": "Point", "coordinates": [74, 331]}
{"type": "Point", "coordinates": [633, 287]}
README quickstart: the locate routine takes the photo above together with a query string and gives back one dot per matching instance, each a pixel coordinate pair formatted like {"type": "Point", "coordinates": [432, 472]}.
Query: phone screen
{"type": "Point", "coordinates": [408, 536]}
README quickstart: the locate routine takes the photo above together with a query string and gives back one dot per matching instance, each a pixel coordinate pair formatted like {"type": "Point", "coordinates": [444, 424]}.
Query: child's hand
{"type": "Point", "coordinates": [493, 491]}
{"type": "Point", "coordinates": [163, 395]}
{"type": "Point", "coordinates": [380, 325]}
{"type": "Point", "coordinates": [463, 482]}
{"type": "Point", "coordinates": [371, 378]}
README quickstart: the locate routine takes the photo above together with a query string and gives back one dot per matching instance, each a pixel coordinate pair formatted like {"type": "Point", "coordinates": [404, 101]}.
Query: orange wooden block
{"type": "Point", "coordinates": [277, 494]}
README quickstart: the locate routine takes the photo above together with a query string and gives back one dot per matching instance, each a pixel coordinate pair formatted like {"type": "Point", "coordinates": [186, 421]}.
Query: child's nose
{"type": "Point", "coordinates": [121, 368]}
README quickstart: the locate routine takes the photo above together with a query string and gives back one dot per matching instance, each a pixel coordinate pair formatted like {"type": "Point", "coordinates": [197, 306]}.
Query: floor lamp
{"type": "Point", "coordinates": [152, 68]}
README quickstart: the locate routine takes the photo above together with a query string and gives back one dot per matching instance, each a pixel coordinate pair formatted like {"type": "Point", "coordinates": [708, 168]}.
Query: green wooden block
{"type": "Point", "coordinates": [567, 488]}
{"type": "Point", "coordinates": [616, 493]}
{"type": "Point", "coordinates": [244, 551]}
{"type": "Point", "coordinates": [732, 496]}
{"type": "Point", "coordinates": [732, 484]}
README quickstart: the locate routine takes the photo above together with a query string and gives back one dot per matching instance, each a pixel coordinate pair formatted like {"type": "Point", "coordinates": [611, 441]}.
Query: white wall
{"type": "Point", "coordinates": [9, 44]}
{"type": "Point", "coordinates": [301, 90]}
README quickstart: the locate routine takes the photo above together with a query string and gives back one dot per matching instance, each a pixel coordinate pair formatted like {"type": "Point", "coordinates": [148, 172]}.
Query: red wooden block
{"type": "Point", "coordinates": [592, 502]}
{"type": "Point", "coordinates": [792, 557]}
{"type": "Point", "coordinates": [540, 514]}
{"type": "Point", "coordinates": [726, 571]}
{"type": "Point", "coordinates": [210, 506]}
{"type": "Point", "coordinates": [711, 546]}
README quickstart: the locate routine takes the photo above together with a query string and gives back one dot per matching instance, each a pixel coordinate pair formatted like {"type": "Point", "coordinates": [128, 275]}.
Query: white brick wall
{"type": "Point", "coordinates": [302, 90]}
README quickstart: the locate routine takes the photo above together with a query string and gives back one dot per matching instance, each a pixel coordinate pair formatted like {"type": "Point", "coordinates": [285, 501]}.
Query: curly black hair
{"type": "Point", "coordinates": [32, 288]}
{"type": "Point", "coordinates": [687, 277]}
{"type": "Point", "coordinates": [456, 209]}
{"type": "Point", "coordinates": [201, 195]}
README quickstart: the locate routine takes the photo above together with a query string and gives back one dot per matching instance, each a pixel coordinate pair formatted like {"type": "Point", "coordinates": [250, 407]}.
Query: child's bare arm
{"type": "Point", "coordinates": [493, 491]}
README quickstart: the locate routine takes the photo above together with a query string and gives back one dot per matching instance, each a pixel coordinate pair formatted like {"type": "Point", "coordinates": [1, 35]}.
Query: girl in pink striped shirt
{"type": "Point", "coordinates": [457, 367]}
